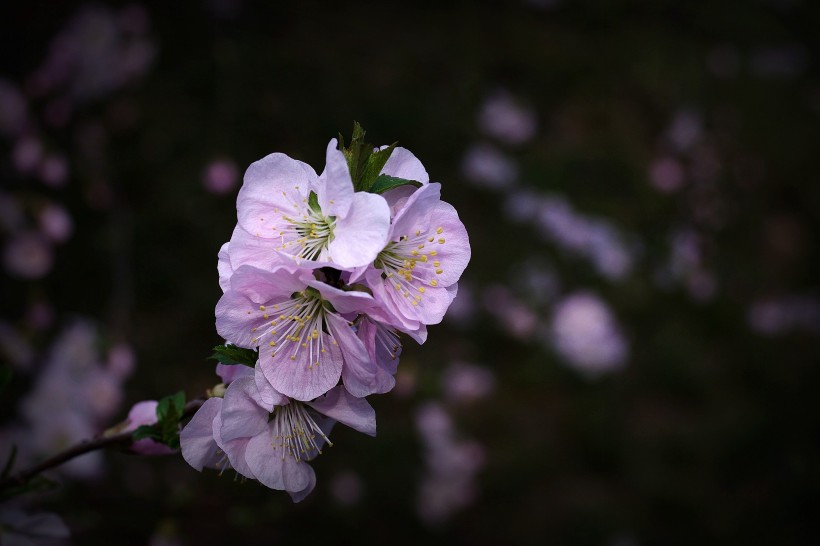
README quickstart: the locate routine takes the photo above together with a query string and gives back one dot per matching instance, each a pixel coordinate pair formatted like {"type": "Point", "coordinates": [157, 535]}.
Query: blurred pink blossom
{"type": "Point", "coordinates": [464, 383]}
{"type": "Point", "coordinates": [585, 333]}
{"type": "Point", "coordinates": [13, 115]}
{"type": "Point", "coordinates": [507, 119]}
{"type": "Point", "coordinates": [778, 315]}
{"type": "Point", "coordinates": [27, 153]}
{"type": "Point", "coordinates": [666, 175]}
{"type": "Point", "coordinates": [54, 171]}
{"type": "Point", "coordinates": [484, 165]}
{"type": "Point", "coordinates": [145, 413]}
{"type": "Point", "coordinates": [220, 177]}
{"type": "Point", "coordinates": [56, 223]}
{"type": "Point", "coordinates": [685, 130]}
{"type": "Point", "coordinates": [451, 466]}
{"type": "Point", "coordinates": [28, 255]}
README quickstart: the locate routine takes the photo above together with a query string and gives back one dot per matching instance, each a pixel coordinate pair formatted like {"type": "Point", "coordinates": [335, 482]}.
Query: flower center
{"type": "Point", "coordinates": [297, 326]}
{"type": "Point", "coordinates": [312, 233]}
{"type": "Point", "coordinates": [296, 433]}
{"type": "Point", "coordinates": [408, 266]}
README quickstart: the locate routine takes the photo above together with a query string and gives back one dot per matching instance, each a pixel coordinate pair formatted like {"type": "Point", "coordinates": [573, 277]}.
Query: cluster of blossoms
{"type": "Point", "coordinates": [320, 278]}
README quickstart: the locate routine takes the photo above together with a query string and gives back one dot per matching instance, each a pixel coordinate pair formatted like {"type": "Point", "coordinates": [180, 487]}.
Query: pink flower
{"type": "Point", "coordinates": [414, 276]}
{"type": "Point", "coordinates": [267, 436]}
{"type": "Point", "coordinates": [145, 413]}
{"type": "Point", "coordinates": [289, 215]}
{"type": "Point", "coordinates": [305, 344]}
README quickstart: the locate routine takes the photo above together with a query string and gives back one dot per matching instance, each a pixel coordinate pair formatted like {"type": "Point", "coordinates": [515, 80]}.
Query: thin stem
{"type": "Point", "coordinates": [123, 439]}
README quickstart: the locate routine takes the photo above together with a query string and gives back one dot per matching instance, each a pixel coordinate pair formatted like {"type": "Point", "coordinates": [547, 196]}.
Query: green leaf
{"type": "Point", "coordinates": [313, 202]}
{"type": "Point", "coordinates": [385, 182]}
{"type": "Point", "coordinates": [231, 354]}
{"type": "Point", "coordinates": [147, 431]}
{"type": "Point", "coordinates": [375, 164]}
{"type": "Point", "coordinates": [9, 463]}
{"type": "Point", "coordinates": [357, 155]}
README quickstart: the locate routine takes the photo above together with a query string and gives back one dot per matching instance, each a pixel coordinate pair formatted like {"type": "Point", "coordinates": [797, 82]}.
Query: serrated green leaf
{"type": "Point", "coordinates": [313, 202]}
{"type": "Point", "coordinates": [384, 183]}
{"type": "Point", "coordinates": [375, 164]}
{"type": "Point", "coordinates": [231, 354]}
{"type": "Point", "coordinates": [357, 155]}
{"type": "Point", "coordinates": [9, 463]}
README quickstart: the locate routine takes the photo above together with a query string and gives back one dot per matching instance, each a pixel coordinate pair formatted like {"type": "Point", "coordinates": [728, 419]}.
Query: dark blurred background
{"type": "Point", "coordinates": [633, 356]}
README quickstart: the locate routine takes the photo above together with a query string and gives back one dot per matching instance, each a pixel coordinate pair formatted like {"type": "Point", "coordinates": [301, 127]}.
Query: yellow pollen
{"type": "Point", "coordinates": [254, 329]}
{"type": "Point", "coordinates": [418, 232]}
{"type": "Point", "coordinates": [431, 239]}
{"type": "Point", "coordinates": [439, 271]}
{"type": "Point", "coordinates": [421, 246]}
{"type": "Point", "coordinates": [265, 316]}
{"type": "Point", "coordinates": [433, 252]}
{"type": "Point", "coordinates": [261, 307]}
{"type": "Point", "coordinates": [423, 258]}
{"type": "Point", "coordinates": [293, 357]}
{"type": "Point", "coordinates": [272, 344]}
{"type": "Point", "coordinates": [434, 282]}
{"type": "Point", "coordinates": [439, 230]}
{"type": "Point", "coordinates": [436, 263]}
{"type": "Point", "coordinates": [441, 241]}
{"type": "Point", "coordinates": [414, 252]}
{"type": "Point", "coordinates": [422, 289]}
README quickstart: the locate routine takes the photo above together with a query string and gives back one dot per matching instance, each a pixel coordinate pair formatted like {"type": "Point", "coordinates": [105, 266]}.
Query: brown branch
{"type": "Point", "coordinates": [122, 439]}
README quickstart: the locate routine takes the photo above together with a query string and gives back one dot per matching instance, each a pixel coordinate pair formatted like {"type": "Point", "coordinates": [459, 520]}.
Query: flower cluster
{"type": "Point", "coordinates": [321, 277]}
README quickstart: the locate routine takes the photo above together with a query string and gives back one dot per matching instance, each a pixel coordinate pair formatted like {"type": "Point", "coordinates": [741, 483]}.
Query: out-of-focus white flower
{"type": "Point", "coordinates": [666, 175]}
{"type": "Point", "coordinates": [507, 119]}
{"type": "Point", "coordinates": [465, 383]}
{"type": "Point", "coordinates": [585, 333]}
{"type": "Point", "coordinates": [777, 316]}
{"type": "Point", "coordinates": [54, 171]}
{"type": "Point", "coordinates": [56, 223]}
{"type": "Point", "coordinates": [13, 115]}
{"type": "Point", "coordinates": [685, 130]}
{"type": "Point", "coordinates": [28, 255]}
{"type": "Point", "coordinates": [451, 466]}
{"type": "Point", "coordinates": [485, 165]}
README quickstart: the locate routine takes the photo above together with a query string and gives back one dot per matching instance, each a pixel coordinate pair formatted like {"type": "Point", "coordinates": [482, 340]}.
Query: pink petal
{"type": "Point", "coordinates": [347, 409]}
{"type": "Point", "coordinates": [199, 448]}
{"type": "Point", "coordinates": [362, 234]}
{"type": "Point", "coordinates": [300, 378]}
{"type": "Point", "coordinates": [241, 416]}
{"type": "Point", "coordinates": [224, 268]}
{"type": "Point", "coordinates": [344, 301]}
{"type": "Point", "coordinates": [267, 395]}
{"type": "Point", "coordinates": [234, 449]}
{"type": "Point", "coordinates": [360, 374]}
{"type": "Point", "coordinates": [273, 186]}
{"type": "Point", "coordinates": [275, 469]}
{"type": "Point", "coordinates": [403, 164]}
{"type": "Point", "coordinates": [335, 187]}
